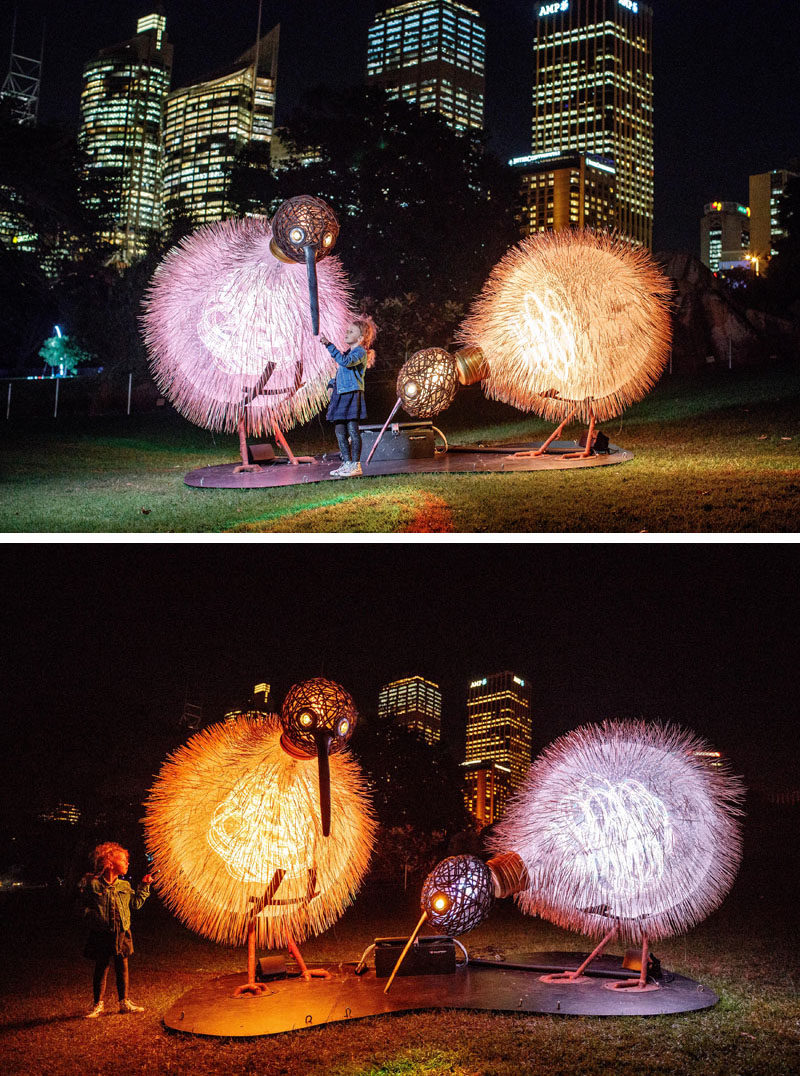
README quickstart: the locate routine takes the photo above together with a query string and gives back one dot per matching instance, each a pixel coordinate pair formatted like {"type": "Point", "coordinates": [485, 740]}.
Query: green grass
{"type": "Point", "coordinates": [717, 453]}
{"type": "Point", "coordinates": [746, 952]}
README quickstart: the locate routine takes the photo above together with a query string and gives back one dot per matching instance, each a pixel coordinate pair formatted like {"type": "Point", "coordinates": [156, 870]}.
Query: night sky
{"type": "Point", "coordinates": [101, 641]}
{"type": "Point", "coordinates": [727, 76]}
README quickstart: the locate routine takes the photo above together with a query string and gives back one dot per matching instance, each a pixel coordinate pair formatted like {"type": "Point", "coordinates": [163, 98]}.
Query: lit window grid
{"type": "Point", "coordinates": [587, 72]}
{"type": "Point", "coordinates": [415, 703]}
{"type": "Point", "coordinates": [499, 727]}
{"type": "Point", "coordinates": [206, 125]}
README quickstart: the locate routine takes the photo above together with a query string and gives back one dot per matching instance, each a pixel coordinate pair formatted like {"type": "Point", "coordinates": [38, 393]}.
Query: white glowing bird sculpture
{"type": "Point", "coordinates": [621, 830]}
{"type": "Point", "coordinates": [235, 824]}
{"type": "Point", "coordinates": [230, 323]}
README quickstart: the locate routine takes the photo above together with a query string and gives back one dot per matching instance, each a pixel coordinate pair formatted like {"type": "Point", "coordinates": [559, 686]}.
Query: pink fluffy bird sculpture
{"type": "Point", "coordinates": [232, 316]}
{"type": "Point", "coordinates": [621, 831]}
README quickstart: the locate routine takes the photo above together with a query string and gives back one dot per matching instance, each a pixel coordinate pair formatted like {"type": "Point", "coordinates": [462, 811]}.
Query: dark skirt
{"type": "Point", "coordinates": [347, 407]}
{"type": "Point", "coordinates": [103, 944]}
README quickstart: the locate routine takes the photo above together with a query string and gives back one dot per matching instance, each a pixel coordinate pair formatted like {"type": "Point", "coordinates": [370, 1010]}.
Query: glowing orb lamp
{"type": "Point", "coordinates": [427, 382]}
{"type": "Point", "coordinates": [572, 323]}
{"type": "Point", "coordinates": [304, 229]}
{"type": "Point", "coordinates": [457, 894]}
{"type": "Point", "coordinates": [228, 333]}
{"type": "Point", "coordinates": [234, 826]}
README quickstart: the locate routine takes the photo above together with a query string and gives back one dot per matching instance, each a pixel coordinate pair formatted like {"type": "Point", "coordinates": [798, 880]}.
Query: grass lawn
{"type": "Point", "coordinates": [747, 952]}
{"type": "Point", "coordinates": [720, 452]}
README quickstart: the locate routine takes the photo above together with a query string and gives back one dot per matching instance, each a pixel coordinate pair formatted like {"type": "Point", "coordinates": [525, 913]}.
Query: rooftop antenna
{"type": "Point", "coordinates": [256, 58]}
{"type": "Point", "coordinates": [21, 85]}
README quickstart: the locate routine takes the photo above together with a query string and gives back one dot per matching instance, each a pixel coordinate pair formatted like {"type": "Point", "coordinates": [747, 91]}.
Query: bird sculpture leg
{"type": "Point", "coordinates": [245, 465]}
{"type": "Point", "coordinates": [251, 988]}
{"type": "Point", "coordinates": [577, 975]}
{"type": "Point", "coordinates": [540, 451]}
{"type": "Point", "coordinates": [305, 971]}
{"type": "Point", "coordinates": [588, 451]}
{"type": "Point", "coordinates": [641, 984]}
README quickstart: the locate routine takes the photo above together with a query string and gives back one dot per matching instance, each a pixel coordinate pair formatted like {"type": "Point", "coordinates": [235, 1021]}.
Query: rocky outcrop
{"type": "Point", "coordinates": [712, 328]}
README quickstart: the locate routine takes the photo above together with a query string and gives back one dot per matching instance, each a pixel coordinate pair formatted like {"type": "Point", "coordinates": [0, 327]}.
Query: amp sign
{"type": "Point", "coordinates": [552, 9]}
{"type": "Point", "coordinates": [631, 5]}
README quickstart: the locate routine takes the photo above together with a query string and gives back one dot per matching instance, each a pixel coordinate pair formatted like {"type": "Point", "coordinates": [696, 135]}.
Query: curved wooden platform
{"type": "Point", "coordinates": [291, 1004]}
{"type": "Point", "coordinates": [466, 459]}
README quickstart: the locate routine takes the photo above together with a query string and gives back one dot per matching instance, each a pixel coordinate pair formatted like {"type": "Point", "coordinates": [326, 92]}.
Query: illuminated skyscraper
{"type": "Point", "coordinates": [209, 122]}
{"type": "Point", "coordinates": [498, 747]}
{"type": "Point", "coordinates": [122, 107]}
{"type": "Point", "coordinates": [766, 192]}
{"type": "Point", "coordinates": [431, 53]}
{"type": "Point", "coordinates": [593, 92]}
{"type": "Point", "coordinates": [414, 703]}
{"type": "Point", "coordinates": [725, 236]}
{"type": "Point", "coordinates": [565, 190]}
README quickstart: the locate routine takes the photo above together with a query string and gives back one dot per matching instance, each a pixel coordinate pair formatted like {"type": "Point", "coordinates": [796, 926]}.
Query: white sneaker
{"type": "Point", "coordinates": [95, 1011]}
{"type": "Point", "coordinates": [126, 1005]}
{"type": "Point", "coordinates": [355, 469]}
{"type": "Point", "coordinates": [342, 471]}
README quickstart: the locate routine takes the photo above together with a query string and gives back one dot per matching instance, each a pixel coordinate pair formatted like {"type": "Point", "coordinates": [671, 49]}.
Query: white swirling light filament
{"type": "Point", "coordinates": [624, 833]}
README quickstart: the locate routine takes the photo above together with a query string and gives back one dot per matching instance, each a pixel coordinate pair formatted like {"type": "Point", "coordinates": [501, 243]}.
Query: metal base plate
{"type": "Point", "coordinates": [458, 460]}
{"type": "Point", "coordinates": [293, 1004]}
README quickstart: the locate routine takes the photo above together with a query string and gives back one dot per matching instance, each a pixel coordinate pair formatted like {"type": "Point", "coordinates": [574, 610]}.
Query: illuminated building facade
{"type": "Point", "coordinates": [565, 190]}
{"type": "Point", "coordinates": [593, 93]}
{"type": "Point", "coordinates": [431, 53]}
{"type": "Point", "coordinates": [766, 191]}
{"type": "Point", "coordinates": [414, 703]}
{"type": "Point", "coordinates": [256, 706]}
{"type": "Point", "coordinates": [208, 123]}
{"type": "Point", "coordinates": [725, 236]}
{"type": "Point", "coordinates": [498, 735]}
{"type": "Point", "coordinates": [122, 108]}
{"type": "Point", "coordinates": [486, 790]}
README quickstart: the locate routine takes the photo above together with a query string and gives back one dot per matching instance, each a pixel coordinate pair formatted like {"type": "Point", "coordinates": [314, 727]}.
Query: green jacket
{"type": "Point", "coordinates": [108, 907]}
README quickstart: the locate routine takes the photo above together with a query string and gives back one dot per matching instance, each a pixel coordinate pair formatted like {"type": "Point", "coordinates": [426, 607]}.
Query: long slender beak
{"type": "Point", "coordinates": [323, 739]}
{"type": "Point", "coordinates": [313, 295]}
{"type": "Point", "coordinates": [408, 945]}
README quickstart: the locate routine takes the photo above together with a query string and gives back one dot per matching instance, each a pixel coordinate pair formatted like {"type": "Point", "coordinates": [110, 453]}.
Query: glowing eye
{"type": "Point", "coordinates": [327, 239]}
{"type": "Point", "coordinates": [412, 388]}
{"type": "Point", "coordinates": [306, 719]}
{"type": "Point", "coordinates": [297, 235]}
{"type": "Point", "coordinates": [343, 727]}
{"type": "Point", "coordinates": [440, 902]}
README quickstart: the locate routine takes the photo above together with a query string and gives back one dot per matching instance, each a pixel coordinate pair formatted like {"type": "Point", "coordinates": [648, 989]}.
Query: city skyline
{"type": "Point", "coordinates": [712, 129]}
{"type": "Point", "coordinates": [103, 640]}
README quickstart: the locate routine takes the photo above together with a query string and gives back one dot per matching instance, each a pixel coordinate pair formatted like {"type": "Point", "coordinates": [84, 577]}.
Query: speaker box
{"type": "Point", "coordinates": [402, 441]}
{"type": "Point", "coordinates": [270, 967]}
{"type": "Point", "coordinates": [433, 954]}
{"type": "Point", "coordinates": [260, 453]}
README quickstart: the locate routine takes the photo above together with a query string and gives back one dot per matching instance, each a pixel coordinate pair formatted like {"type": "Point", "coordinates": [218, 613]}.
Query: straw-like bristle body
{"type": "Point", "coordinates": [220, 308]}
{"type": "Point", "coordinates": [572, 317]}
{"type": "Point", "coordinates": [231, 808]}
{"type": "Point", "coordinates": [625, 823]}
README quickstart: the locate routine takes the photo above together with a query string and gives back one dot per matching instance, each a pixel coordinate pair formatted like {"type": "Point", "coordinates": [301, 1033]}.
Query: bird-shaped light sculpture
{"type": "Point", "coordinates": [231, 318]}
{"type": "Point", "coordinates": [573, 325]}
{"type": "Point", "coordinates": [234, 825]}
{"type": "Point", "coordinates": [620, 831]}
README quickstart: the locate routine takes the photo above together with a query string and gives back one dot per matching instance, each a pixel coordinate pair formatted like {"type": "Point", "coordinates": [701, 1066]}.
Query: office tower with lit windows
{"type": "Point", "coordinates": [766, 191]}
{"type": "Point", "coordinates": [415, 704]}
{"type": "Point", "coordinates": [565, 190]}
{"type": "Point", "coordinates": [255, 706]}
{"type": "Point", "coordinates": [209, 122]}
{"type": "Point", "coordinates": [498, 743]}
{"type": "Point", "coordinates": [725, 236]}
{"type": "Point", "coordinates": [431, 53]}
{"type": "Point", "coordinates": [593, 93]}
{"type": "Point", "coordinates": [122, 109]}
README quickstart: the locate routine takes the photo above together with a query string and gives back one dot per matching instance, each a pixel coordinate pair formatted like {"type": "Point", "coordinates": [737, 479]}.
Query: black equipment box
{"type": "Point", "coordinates": [433, 954]}
{"type": "Point", "coordinates": [401, 441]}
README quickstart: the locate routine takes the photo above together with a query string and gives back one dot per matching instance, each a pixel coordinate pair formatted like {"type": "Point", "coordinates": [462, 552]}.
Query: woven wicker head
{"type": "Point", "coordinates": [304, 229]}
{"type": "Point", "coordinates": [301, 222]}
{"type": "Point", "coordinates": [427, 382]}
{"type": "Point", "coordinates": [458, 894]}
{"type": "Point", "coordinates": [318, 717]}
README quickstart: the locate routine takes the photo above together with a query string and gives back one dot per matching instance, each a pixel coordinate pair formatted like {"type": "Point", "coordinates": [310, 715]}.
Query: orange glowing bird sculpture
{"type": "Point", "coordinates": [252, 841]}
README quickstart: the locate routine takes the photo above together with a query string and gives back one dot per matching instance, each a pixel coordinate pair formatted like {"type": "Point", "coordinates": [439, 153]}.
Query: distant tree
{"type": "Point", "coordinates": [425, 213]}
{"type": "Point", "coordinates": [62, 353]}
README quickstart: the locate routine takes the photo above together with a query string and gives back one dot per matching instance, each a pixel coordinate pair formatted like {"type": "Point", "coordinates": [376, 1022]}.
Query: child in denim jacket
{"type": "Point", "coordinates": [347, 406]}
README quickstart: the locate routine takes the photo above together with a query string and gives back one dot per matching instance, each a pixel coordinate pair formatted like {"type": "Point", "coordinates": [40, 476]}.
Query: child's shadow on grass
{"type": "Point", "coordinates": [44, 1021]}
